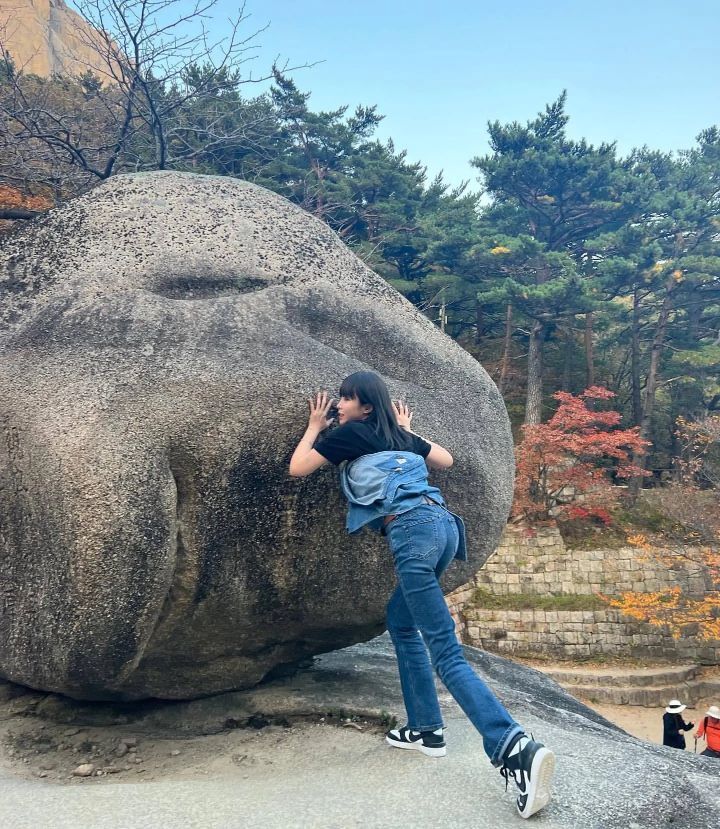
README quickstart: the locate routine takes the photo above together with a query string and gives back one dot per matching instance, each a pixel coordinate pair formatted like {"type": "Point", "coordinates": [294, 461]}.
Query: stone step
{"type": "Point", "coordinates": [651, 697]}
{"type": "Point", "coordinates": [624, 678]}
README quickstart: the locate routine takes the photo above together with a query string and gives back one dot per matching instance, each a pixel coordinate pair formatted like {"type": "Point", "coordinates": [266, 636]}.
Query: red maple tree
{"type": "Point", "coordinates": [563, 467]}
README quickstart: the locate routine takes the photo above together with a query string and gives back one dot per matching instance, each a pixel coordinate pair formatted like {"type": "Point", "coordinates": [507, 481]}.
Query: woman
{"type": "Point", "coordinates": [709, 728]}
{"type": "Point", "coordinates": [385, 483]}
{"type": "Point", "coordinates": [674, 725]}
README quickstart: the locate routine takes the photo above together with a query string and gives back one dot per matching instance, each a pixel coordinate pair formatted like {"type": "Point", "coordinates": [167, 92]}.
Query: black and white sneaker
{"type": "Point", "coordinates": [431, 743]}
{"type": "Point", "coordinates": [531, 766]}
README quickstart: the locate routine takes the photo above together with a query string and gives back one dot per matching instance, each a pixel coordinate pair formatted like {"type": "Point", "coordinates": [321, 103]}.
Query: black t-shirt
{"type": "Point", "coordinates": [351, 440]}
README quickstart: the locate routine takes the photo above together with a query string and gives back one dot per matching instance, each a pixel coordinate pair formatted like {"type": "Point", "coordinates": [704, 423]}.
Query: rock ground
{"type": "Point", "coordinates": [287, 767]}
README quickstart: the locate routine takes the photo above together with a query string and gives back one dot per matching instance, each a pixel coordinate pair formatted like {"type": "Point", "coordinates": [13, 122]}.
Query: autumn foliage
{"type": "Point", "coordinates": [681, 614]}
{"type": "Point", "coordinates": [563, 467]}
{"type": "Point", "coordinates": [693, 502]}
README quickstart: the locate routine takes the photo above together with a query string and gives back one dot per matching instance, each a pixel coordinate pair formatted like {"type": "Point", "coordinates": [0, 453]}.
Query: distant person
{"type": "Point", "coordinates": [674, 725]}
{"type": "Point", "coordinates": [709, 728]}
{"type": "Point", "coordinates": [385, 481]}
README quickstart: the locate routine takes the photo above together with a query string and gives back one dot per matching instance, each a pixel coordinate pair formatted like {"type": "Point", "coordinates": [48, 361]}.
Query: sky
{"type": "Point", "coordinates": [638, 72]}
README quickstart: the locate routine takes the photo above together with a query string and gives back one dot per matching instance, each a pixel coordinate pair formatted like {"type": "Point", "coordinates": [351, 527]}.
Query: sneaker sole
{"type": "Point", "coordinates": [427, 750]}
{"type": "Point", "coordinates": [541, 775]}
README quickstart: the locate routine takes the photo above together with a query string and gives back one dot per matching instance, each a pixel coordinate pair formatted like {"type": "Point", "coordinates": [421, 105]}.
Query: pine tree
{"type": "Point", "coordinates": [551, 195]}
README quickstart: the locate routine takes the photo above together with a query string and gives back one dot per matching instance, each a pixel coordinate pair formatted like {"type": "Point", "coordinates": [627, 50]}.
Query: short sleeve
{"type": "Point", "coordinates": [341, 444]}
{"type": "Point", "coordinates": [420, 446]}
{"type": "Point", "coordinates": [351, 440]}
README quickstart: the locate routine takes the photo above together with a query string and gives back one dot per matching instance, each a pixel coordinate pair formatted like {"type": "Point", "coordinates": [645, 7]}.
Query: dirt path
{"type": "Point", "coordinates": [640, 721]}
{"type": "Point", "coordinates": [59, 753]}
{"type": "Point", "coordinates": [646, 723]}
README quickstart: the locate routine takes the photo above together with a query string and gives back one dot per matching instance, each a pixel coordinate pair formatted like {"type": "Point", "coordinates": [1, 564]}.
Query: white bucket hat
{"type": "Point", "coordinates": [675, 707]}
{"type": "Point", "coordinates": [713, 711]}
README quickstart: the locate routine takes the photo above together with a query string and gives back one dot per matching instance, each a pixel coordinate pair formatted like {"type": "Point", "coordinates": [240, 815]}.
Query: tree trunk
{"type": "Point", "coordinates": [694, 313]}
{"type": "Point", "coordinates": [655, 355]}
{"type": "Point", "coordinates": [589, 351]}
{"type": "Point", "coordinates": [635, 360]}
{"type": "Point", "coordinates": [652, 380]}
{"type": "Point", "coordinates": [505, 363]}
{"type": "Point", "coordinates": [676, 408]}
{"type": "Point", "coordinates": [567, 360]}
{"type": "Point", "coordinates": [478, 322]}
{"type": "Point", "coordinates": [533, 405]}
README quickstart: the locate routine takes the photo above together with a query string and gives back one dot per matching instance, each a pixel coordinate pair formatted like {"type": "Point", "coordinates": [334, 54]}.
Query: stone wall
{"type": "Point", "coordinates": [579, 634]}
{"type": "Point", "coordinates": [541, 565]}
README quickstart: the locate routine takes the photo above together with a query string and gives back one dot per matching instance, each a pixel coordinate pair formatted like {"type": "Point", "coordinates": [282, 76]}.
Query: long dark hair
{"type": "Point", "coordinates": [370, 389]}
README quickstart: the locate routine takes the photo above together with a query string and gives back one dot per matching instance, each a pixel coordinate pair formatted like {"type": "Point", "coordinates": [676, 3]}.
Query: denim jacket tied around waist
{"type": "Point", "coordinates": [389, 483]}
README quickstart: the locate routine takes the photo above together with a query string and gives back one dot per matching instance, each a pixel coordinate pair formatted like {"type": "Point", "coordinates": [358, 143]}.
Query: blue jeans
{"type": "Point", "coordinates": [423, 542]}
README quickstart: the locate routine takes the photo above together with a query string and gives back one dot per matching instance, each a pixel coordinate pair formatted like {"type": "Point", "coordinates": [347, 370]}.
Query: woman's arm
{"type": "Point", "coordinates": [438, 457]}
{"type": "Point", "coordinates": [305, 460]}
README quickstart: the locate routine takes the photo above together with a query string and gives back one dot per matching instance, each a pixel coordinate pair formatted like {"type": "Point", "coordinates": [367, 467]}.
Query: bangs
{"type": "Point", "coordinates": [349, 388]}
{"type": "Point", "coordinates": [368, 388]}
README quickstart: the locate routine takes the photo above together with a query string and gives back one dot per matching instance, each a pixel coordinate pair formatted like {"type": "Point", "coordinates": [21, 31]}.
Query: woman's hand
{"type": "Point", "coordinates": [305, 459]}
{"type": "Point", "coordinates": [403, 415]}
{"type": "Point", "coordinates": [319, 409]}
{"type": "Point", "coordinates": [437, 457]}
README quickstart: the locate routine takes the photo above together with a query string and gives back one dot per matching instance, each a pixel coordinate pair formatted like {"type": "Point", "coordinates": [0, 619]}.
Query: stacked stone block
{"type": "Point", "coordinates": [541, 565]}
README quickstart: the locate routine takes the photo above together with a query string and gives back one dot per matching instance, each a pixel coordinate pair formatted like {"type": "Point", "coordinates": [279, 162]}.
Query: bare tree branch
{"type": "Point", "coordinates": [165, 96]}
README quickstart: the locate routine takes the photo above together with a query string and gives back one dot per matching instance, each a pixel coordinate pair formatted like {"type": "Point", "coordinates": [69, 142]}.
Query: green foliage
{"type": "Point", "coordinates": [483, 598]}
{"type": "Point", "coordinates": [588, 256]}
{"type": "Point", "coordinates": [387, 720]}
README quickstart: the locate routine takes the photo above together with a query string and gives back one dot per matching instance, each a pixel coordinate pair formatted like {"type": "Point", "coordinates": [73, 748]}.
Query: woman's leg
{"type": "Point", "coordinates": [419, 543]}
{"type": "Point", "coordinates": [416, 675]}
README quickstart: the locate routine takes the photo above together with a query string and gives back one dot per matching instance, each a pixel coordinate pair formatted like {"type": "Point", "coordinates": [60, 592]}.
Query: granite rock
{"type": "Point", "coordinates": [159, 338]}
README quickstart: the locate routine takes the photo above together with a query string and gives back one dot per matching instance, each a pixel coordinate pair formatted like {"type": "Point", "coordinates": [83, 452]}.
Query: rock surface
{"type": "Point", "coordinates": [159, 338]}
{"type": "Point", "coordinates": [327, 777]}
{"type": "Point", "coordinates": [45, 37]}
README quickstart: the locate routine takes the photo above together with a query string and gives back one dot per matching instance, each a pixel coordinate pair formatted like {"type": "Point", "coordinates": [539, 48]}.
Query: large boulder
{"type": "Point", "coordinates": [159, 338]}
